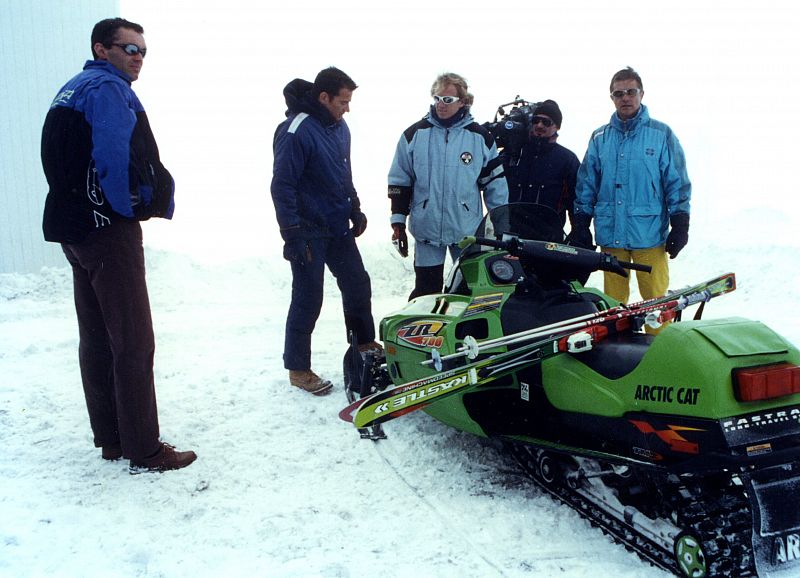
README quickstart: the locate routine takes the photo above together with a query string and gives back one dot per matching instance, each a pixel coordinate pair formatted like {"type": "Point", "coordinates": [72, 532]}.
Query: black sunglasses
{"type": "Point", "coordinates": [132, 49]}
{"type": "Point", "coordinates": [541, 119]}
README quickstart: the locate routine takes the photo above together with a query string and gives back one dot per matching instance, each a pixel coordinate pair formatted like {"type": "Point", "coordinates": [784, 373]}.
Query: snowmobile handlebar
{"type": "Point", "coordinates": [557, 253]}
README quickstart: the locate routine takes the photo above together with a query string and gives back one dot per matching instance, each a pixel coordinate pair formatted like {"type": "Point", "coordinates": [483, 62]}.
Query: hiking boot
{"type": "Point", "coordinates": [166, 458]}
{"type": "Point", "coordinates": [309, 381]}
{"type": "Point", "coordinates": [372, 347]}
{"type": "Point", "coordinates": [112, 452]}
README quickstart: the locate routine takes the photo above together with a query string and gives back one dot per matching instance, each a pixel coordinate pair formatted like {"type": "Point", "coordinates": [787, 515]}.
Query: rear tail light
{"type": "Point", "coordinates": [766, 382]}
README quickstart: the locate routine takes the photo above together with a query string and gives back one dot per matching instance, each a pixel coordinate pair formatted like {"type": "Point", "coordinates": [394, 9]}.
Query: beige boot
{"type": "Point", "coordinates": [309, 381]}
{"type": "Point", "coordinates": [372, 347]}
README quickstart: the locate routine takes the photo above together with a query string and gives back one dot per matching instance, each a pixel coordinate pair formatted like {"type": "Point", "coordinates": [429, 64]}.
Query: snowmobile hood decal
{"type": "Point", "coordinates": [484, 303]}
{"type": "Point", "coordinates": [423, 333]}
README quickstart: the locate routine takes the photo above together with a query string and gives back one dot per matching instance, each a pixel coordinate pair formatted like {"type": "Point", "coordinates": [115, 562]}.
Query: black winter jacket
{"type": "Point", "coordinates": [545, 174]}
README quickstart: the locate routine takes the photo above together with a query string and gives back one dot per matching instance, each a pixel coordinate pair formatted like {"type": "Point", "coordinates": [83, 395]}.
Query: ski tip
{"type": "Point", "coordinates": [348, 413]}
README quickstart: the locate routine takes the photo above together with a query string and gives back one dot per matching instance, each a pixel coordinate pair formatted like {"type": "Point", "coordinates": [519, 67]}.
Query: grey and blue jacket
{"type": "Point", "coordinates": [632, 179]}
{"type": "Point", "coordinates": [100, 157]}
{"type": "Point", "coordinates": [312, 181]}
{"type": "Point", "coordinates": [437, 177]}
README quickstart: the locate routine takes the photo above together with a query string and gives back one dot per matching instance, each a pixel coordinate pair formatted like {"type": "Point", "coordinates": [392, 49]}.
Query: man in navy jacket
{"type": "Point", "coordinates": [544, 172]}
{"type": "Point", "coordinates": [315, 204]}
{"type": "Point", "coordinates": [105, 175]}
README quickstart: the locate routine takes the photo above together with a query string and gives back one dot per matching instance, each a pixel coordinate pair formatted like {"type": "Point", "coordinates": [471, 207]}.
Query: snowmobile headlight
{"type": "Point", "coordinates": [766, 382]}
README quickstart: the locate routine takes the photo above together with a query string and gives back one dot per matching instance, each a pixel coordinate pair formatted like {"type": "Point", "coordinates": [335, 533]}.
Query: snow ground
{"type": "Point", "coordinates": [282, 487]}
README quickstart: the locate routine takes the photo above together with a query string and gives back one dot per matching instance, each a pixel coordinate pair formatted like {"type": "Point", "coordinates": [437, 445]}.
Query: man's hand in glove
{"type": "Point", "coordinates": [400, 239]}
{"type": "Point", "coordinates": [359, 220]}
{"type": "Point", "coordinates": [297, 251]}
{"type": "Point", "coordinates": [580, 235]}
{"type": "Point", "coordinates": [678, 234]}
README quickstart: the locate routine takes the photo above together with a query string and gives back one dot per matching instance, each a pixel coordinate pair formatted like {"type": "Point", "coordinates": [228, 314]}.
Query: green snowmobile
{"type": "Point", "coordinates": [682, 442]}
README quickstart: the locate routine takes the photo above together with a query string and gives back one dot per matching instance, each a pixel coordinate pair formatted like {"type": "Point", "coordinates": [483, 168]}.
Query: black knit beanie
{"type": "Point", "coordinates": [549, 108]}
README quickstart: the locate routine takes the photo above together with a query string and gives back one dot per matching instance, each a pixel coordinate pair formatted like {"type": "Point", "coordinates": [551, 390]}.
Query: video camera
{"type": "Point", "coordinates": [510, 130]}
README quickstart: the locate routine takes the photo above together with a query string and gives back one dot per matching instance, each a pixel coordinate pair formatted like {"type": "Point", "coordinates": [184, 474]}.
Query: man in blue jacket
{"type": "Point", "coordinates": [633, 183]}
{"type": "Point", "coordinates": [105, 175]}
{"type": "Point", "coordinates": [441, 167]}
{"type": "Point", "coordinates": [315, 204]}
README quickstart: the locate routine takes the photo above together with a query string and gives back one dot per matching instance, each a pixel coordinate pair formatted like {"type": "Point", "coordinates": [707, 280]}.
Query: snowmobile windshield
{"type": "Point", "coordinates": [523, 220]}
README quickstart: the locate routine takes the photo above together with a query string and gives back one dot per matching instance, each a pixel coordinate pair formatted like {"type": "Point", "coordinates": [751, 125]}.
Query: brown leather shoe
{"type": "Point", "coordinates": [112, 452]}
{"type": "Point", "coordinates": [309, 381]}
{"type": "Point", "coordinates": [166, 458]}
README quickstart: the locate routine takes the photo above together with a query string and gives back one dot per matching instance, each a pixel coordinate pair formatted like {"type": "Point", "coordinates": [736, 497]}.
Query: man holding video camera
{"type": "Point", "coordinates": [543, 171]}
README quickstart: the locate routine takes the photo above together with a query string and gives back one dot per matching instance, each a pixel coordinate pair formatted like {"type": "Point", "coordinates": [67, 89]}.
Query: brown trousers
{"type": "Point", "coordinates": [116, 338]}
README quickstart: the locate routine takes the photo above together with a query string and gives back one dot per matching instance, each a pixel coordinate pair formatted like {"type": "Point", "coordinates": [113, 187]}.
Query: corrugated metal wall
{"type": "Point", "coordinates": [42, 45]}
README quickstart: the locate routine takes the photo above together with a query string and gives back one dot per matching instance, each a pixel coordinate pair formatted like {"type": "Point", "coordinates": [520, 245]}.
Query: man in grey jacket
{"type": "Point", "coordinates": [441, 166]}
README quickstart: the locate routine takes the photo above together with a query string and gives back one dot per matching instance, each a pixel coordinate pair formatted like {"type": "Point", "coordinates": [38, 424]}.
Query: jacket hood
{"type": "Point", "coordinates": [298, 99]}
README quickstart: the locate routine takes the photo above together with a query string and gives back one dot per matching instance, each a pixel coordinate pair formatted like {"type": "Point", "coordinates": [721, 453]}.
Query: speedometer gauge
{"type": "Point", "coordinates": [502, 271]}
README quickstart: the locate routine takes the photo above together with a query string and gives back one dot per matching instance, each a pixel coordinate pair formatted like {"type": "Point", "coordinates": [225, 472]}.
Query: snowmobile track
{"type": "Point", "coordinates": [723, 520]}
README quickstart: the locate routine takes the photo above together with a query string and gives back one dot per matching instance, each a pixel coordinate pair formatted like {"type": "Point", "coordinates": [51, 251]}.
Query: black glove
{"type": "Point", "coordinates": [400, 239]}
{"type": "Point", "coordinates": [359, 220]}
{"type": "Point", "coordinates": [678, 234]}
{"type": "Point", "coordinates": [297, 251]}
{"type": "Point", "coordinates": [580, 235]}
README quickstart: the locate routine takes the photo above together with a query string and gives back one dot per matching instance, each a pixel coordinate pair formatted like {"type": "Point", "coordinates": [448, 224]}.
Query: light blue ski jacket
{"type": "Point", "coordinates": [437, 176]}
{"type": "Point", "coordinates": [631, 180]}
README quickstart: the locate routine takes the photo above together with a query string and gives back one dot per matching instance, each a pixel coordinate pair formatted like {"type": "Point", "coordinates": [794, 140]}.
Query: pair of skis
{"type": "Point", "coordinates": [571, 335]}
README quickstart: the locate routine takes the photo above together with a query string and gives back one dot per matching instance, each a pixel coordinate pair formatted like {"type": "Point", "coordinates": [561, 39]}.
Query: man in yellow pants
{"type": "Point", "coordinates": [633, 182]}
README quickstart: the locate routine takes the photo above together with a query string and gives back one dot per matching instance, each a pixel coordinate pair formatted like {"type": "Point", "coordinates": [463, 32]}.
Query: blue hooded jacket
{"type": "Point", "coordinates": [100, 157]}
{"type": "Point", "coordinates": [312, 182]}
{"type": "Point", "coordinates": [632, 179]}
{"type": "Point", "coordinates": [437, 176]}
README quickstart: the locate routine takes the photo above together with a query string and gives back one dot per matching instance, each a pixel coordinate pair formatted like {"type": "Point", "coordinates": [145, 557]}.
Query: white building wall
{"type": "Point", "coordinates": [43, 43]}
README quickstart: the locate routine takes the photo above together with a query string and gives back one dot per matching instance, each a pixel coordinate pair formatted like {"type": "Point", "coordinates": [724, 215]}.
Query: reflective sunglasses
{"type": "Point", "coordinates": [617, 94]}
{"type": "Point", "coordinates": [541, 120]}
{"type": "Point", "coordinates": [132, 49]}
{"type": "Point", "coordinates": [445, 99]}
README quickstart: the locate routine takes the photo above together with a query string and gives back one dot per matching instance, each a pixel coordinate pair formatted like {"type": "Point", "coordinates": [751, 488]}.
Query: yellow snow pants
{"type": "Point", "coordinates": [653, 284]}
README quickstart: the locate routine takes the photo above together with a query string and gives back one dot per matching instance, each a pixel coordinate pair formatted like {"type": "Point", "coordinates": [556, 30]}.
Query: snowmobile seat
{"type": "Point", "coordinates": [521, 313]}
{"type": "Point", "coordinates": [617, 356]}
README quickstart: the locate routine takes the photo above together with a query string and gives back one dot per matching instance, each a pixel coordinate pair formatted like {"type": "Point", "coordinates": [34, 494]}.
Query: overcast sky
{"type": "Point", "coordinates": [723, 76]}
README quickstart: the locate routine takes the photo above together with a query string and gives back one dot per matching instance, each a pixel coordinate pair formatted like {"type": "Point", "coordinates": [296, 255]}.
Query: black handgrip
{"type": "Point", "coordinates": [636, 266]}
{"type": "Point", "coordinates": [496, 243]}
